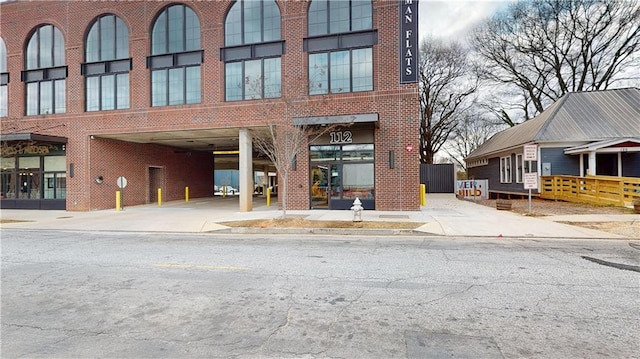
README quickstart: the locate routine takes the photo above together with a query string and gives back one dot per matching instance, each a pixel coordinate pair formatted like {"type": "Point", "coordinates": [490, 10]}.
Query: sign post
{"type": "Point", "coordinates": [530, 178]}
{"type": "Point", "coordinates": [122, 183]}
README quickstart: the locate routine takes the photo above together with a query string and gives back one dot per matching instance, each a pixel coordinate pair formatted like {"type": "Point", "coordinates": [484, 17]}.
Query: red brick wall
{"type": "Point", "coordinates": [396, 104]}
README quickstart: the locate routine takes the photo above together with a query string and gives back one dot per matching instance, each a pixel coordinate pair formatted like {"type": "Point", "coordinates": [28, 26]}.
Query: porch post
{"type": "Point", "coordinates": [592, 164]}
{"type": "Point", "coordinates": [246, 170]}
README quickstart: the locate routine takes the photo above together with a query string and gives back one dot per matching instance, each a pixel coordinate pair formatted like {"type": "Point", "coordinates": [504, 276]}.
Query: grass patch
{"type": "Point", "coordinates": [305, 223]}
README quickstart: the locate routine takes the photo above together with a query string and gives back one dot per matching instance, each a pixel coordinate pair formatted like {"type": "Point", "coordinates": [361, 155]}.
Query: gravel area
{"type": "Point", "coordinates": [541, 208]}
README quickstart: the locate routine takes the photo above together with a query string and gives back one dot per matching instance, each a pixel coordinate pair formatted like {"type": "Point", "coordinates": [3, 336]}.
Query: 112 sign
{"type": "Point", "coordinates": [340, 137]}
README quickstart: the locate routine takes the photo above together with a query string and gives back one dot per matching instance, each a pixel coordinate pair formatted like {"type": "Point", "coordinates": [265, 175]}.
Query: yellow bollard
{"type": "Point", "coordinates": [423, 195]}
{"type": "Point", "coordinates": [159, 196]}
{"type": "Point", "coordinates": [268, 197]}
{"type": "Point", "coordinates": [186, 194]}
{"type": "Point", "coordinates": [118, 207]}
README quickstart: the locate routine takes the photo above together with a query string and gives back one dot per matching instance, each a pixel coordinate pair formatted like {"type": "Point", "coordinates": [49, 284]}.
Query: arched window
{"type": "Point", "coordinates": [338, 16]}
{"type": "Point", "coordinates": [4, 80]}
{"type": "Point", "coordinates": [45, 73]}
{"type": "Point", "coordinates": [107, 65]}
{"type": "Point", "coordinates": [250, 22]}
{"type": "Point", "coordinates": [340, 46]}
{"type": "Point", "coordinates": [176, 56]}
{"type": "Point", "coordinates": [253, 50]}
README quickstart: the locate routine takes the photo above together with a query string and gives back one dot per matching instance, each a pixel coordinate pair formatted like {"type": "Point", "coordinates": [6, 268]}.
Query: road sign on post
{"type": "Point", "coordinates": [122, 183]}
{"type": "Point", "coordinates": [530, 152]}
{"type": "Point", "coordinates": [531, 180]}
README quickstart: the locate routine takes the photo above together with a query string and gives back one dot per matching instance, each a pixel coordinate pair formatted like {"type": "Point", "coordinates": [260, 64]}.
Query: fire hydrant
{"type": "Point", "coordinates": [357, 210]}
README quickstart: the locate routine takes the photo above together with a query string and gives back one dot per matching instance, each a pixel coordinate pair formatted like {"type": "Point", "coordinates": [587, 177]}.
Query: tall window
{"type": "Point", "coordinates": [505, 169]}
{"type": "Point", "coordinates": [107, 65]}
{"type": "Point", "coordinates": [252, 51]}
{"type": "Point", "coordinates": [4, 80]}
{"type": "Point", "coordinates": [45, 73]}
{"type": "Point", "coordinates": [519, 168]}
{"type": "Point", "coordinates": [340, 46]}
{"type": "Point", "coordinates": [176, 56]}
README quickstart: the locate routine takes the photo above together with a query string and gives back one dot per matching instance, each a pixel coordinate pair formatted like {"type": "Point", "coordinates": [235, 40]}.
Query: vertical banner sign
{"type": "Point", "coordinates": [408, 41]}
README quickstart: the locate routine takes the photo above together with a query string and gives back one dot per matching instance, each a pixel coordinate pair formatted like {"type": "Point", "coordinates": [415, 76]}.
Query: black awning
{"type": "Point", "coordinates": [335, 120]}
{"type": "Point", "coordinates": [32, 137]}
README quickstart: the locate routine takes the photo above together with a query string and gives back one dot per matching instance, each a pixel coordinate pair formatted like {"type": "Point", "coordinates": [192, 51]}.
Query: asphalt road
{"type": "Point", "coordinates": [135, 295]}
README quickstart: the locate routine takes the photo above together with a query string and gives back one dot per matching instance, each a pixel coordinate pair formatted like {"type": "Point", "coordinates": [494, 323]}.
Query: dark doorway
{"type": "Point", "coordinates": [607, 164]}
{"type": "Point", "coordinates": [155, 182]}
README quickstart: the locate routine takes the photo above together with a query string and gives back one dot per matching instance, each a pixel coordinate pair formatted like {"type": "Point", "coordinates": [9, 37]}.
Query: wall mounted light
{"type": "Point", "coordinates": [99, 179]}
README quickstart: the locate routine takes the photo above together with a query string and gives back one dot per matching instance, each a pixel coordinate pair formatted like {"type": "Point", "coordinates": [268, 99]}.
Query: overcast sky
{"type": "Point", "coordinates": [452, 20]}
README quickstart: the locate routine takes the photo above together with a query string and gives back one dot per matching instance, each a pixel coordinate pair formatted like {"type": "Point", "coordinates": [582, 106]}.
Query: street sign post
{"type": "Point", "coordinates": [122, 183]}
{"type": "Point", "coordinates": [530, 154]}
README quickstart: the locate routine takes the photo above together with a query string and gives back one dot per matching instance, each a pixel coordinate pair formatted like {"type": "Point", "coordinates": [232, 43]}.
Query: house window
{"type": "Point", "coordinates": [253, 51]}
{"type": "Point", "coordinates": [45, 73]}
{"type": "Point", "coordinates": [505, 169]}
{"type": "Point", "coordinates": [519, 168]}
{"type": "Point", "coordinates": [107, 65]}
{"type": "Point", "coordinates": [176, 57]}
{"type": "Point", "coordinates": [340, 46]}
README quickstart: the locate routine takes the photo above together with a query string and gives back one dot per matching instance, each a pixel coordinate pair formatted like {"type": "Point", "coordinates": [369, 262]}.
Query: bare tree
{"type": "Point", "coordinates": [446, 89]}
{"type": "Point", "coordinates": [283, 141]}
{"type": "Point", "coordinates": [472, 131]}
{"type": "Point", "coordinates": [548, 48]}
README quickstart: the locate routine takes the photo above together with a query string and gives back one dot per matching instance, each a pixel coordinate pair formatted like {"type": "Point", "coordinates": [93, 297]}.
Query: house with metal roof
{"type": "Point", "coordinates": [583, 133]}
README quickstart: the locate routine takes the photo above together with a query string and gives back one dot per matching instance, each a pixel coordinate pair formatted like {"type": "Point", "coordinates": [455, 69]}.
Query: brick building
{"type": "Point", "coordinates": [152, 90]}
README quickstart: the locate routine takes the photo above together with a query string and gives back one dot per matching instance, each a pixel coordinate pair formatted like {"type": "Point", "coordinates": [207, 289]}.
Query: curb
{"type": "Point", "coordinates": [332, 231]}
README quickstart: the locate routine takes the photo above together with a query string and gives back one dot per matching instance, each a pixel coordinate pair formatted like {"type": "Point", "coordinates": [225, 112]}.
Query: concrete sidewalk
{"type": "Point", "coordinates": [443, 215]}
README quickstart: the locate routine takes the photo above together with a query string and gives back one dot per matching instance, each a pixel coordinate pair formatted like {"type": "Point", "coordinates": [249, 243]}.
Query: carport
{"type": "Point", "coordinates": [232, 149]}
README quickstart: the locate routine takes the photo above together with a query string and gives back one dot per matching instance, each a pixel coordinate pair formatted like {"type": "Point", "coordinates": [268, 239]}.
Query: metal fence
{"type": "Point", "coordinates": [438, 178]}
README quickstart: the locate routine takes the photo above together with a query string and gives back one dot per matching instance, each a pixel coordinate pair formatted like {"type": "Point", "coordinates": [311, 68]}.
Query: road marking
{"type": "Point", "coordinates": [196, 266]}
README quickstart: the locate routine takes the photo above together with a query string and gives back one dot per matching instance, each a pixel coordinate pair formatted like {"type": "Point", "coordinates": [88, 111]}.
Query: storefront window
{"type": "Point", "coordinates": [7, 178]}
{"type": "Point", "coordinates": [55, 181]}
{"type": "Point", "coordinates": [357, 180]}
{"type": "Point", "coordinates": [357, 152]}
{"type": "Point", "coordinates": [341, 173]}
{"type": "Point", "coordinates": [325, 153]}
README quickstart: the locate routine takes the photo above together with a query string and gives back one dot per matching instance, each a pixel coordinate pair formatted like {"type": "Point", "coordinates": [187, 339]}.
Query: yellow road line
{"type": "Point", "coordinates": [196, 266]}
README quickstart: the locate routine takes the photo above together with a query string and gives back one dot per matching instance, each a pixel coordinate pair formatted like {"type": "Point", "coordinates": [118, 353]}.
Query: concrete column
{"type": "Point", "coordinates": [265, 181]}
{"type": "Point", "coordinates": [246, 170]}
{"type": "Point", "coordinates": [592, 163]}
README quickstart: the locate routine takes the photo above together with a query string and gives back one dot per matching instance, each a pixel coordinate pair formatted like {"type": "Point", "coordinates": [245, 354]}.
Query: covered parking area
{"type": "Point", "coordinates": [232, 149]}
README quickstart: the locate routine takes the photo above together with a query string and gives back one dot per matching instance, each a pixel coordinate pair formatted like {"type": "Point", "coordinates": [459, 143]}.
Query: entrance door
{"type": "Point", "coordinates": [326, 185]}
{"type": "Point", "coordinates": [320, 186]}
{"type": "Point", "coordinates": [155, 182]}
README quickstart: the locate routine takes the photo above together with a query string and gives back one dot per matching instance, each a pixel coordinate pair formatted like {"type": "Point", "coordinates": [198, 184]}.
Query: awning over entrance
{"type": "Point", "coordinates": [32, 137]}
{"type": "Point", "coordinates": [606, 157]}
{"type": "Point", "coordinates": [631, 144]}
{"type": "Point", "coordinates": [336, 120]}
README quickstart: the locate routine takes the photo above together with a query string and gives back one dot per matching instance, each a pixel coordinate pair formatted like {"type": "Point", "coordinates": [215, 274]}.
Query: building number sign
{"type": "Point", "coordinates": [340, 137]}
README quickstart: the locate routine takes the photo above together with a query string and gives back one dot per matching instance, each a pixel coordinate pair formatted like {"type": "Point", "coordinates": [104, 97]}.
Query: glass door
{"type": "Point", "coordinates": [320, 186]}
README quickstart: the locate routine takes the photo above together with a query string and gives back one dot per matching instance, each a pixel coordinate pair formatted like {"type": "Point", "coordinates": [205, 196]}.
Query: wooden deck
{"type": "Point", "coordinates": [599, 190]}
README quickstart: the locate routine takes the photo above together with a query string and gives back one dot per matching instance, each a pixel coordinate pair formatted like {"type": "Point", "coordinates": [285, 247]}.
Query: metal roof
{"type": "Point", "coordinates": [577, 116]}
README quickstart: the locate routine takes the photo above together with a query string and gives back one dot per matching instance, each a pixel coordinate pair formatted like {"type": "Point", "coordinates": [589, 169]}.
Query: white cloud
{"type": "Point", "coordinates": [452, 20]}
